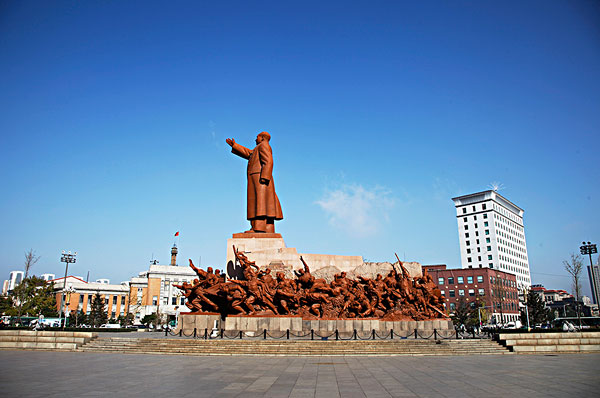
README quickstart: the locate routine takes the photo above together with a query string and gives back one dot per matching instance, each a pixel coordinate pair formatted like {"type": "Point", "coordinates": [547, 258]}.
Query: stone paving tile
{"type": "Point", "coordinates": [67, 374]}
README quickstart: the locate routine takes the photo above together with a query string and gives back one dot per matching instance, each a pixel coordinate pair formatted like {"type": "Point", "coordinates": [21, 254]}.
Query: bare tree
{"type": "Point", "coordinates": [574, 268]}
{"type": "Point", "coordinates": [30, 260]}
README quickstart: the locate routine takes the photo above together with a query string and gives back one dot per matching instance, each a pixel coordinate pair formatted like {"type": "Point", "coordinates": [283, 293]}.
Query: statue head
{"type": "Point", "coordinates": [263, 136]}
{"type": "Point", "coordinates": [209, 270]}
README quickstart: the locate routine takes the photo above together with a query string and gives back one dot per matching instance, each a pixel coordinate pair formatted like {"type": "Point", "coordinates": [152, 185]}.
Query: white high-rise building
{"type": "Point", "coordinates": [14, 279]}
{"type": "Point", "coordinates": [491, 234]}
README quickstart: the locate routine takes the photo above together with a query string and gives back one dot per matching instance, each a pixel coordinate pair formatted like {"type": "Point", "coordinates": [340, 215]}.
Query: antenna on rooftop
{"type": "Point", "coordinates": [496, 186]}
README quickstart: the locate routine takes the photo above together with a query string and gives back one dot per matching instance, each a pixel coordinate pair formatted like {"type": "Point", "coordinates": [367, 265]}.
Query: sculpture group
{"type": "Point", "coordinates": [394, 297]}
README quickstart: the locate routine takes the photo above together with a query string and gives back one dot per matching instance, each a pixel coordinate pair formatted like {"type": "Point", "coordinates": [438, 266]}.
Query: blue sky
{"type": "Point", "coordinates": [115, 114]}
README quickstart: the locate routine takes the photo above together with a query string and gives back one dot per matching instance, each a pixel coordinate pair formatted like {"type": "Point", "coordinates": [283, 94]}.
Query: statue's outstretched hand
{"type": "Point", "coordinates": [230, 141]}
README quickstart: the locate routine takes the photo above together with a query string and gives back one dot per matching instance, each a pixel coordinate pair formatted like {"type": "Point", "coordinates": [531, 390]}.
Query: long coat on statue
{"type": "Point", "coordinates": [262, 199]}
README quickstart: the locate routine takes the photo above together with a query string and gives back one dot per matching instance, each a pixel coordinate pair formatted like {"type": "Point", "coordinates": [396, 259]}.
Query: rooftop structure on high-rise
{"type": "Point", "coordinates": [492, 234]}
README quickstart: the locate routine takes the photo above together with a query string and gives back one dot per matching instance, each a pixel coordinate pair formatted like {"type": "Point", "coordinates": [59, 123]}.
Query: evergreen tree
{"type": "Point", "coordinates": [77, 318]}
{"type": "Point", "coordinates": [538, 313]}
{"type": "Point", "coordinates": [466, 314]}
{"type": "Point", "coordinates": [97, 315]}
{"type": "Point", "coordinates": [36, 297]}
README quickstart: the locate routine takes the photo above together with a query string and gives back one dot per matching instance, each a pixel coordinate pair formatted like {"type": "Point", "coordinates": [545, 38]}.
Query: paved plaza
{"type": "Point", "coordinates": [72, 374]}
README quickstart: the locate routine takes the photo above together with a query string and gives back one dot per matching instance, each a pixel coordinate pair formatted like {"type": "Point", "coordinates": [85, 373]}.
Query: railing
{"type": "Point", "coordinates": [211, 334]}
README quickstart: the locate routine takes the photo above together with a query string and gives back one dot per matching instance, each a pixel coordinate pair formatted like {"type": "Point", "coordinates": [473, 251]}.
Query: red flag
{"type": "Point", "coordinates": [177, 233]}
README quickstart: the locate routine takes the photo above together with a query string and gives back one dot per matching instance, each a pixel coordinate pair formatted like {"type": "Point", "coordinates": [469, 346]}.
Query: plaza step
{"type": "Point", "coordinates": [44, 340]}
{"type": "Point", "coordinates": [543, 343]}
{"type": "Point", "coordinates": [175, 346]}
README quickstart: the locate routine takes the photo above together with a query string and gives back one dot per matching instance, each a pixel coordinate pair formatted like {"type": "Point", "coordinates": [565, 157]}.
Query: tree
{"type": "Point", "coordinates": [498, 296]}
{"type": "Point", "coordinates": [98, 315]}
{"type": "Point", "coordinates": [6, 304]}
{"type": "Point", "coordinates": [30, 260]}
{"type": "Point", "coordinates": [35, 297]}
{"type": "Point", "coordinates": [78, 318]}
{"type": "Point", "coordinates": [148, 319]}
{"type": "Point", "coordinates": [574, 267]}
{"type": "Point", "coordinates": [538, 313]}
{"type": "Point", "coordinates": [466, 314]}
{"type": "Point", "coordinates": [125, 320]}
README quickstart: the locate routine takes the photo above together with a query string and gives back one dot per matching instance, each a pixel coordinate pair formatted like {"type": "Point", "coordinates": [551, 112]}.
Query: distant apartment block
{"type": "Point", "coordinates": [492, 234]}
{"type": "Point", "coordinates": [495, 290]}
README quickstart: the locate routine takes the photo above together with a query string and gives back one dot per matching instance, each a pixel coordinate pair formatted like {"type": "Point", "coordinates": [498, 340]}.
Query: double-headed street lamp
{"type": "Point", "coordinates": [589, 249]}
{"type": "Point", "coordinates": [66, 258]}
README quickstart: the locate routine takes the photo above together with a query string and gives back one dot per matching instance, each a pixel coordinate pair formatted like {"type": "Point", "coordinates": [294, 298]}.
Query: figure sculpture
{"type": "Point", "coordinates": [398, 296]}
{"type": "Point", "coordinates": [263, 206]}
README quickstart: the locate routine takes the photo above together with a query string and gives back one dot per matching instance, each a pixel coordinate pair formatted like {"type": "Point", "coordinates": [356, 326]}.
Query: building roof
{"type": "Point", "coordinates": [489, 194]}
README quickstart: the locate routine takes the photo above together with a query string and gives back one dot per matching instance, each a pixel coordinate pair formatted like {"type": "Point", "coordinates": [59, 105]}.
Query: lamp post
{"type": "Point", "coordinates": [526, 308]}
{"type": "Point", "coordinates": [589, 249]}
{"type": "Point", "coordinates": [66, 258]}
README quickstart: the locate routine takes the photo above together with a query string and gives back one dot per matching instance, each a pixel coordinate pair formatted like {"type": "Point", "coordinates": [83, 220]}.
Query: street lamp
{"type": "Point", "coordinates": [589, 249]}
{"type": "Point", "coordinates": [66, 258]}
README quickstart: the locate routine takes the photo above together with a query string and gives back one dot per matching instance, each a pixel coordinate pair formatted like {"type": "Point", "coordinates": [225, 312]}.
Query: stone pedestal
{"type": "Point", "coordinates": [296, 324]}
{"type": "Point", "coordinates": [188, 321]}
{"type": "Point", "coordinates": [270, 251]}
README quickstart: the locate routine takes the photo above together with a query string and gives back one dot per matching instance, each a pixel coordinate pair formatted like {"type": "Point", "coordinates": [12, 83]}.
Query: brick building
{"type": "Point", "coordinates": [496, 289]}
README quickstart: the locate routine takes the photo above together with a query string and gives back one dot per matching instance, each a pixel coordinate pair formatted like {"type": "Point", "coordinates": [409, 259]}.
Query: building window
{"type": "Point", "coordinates": [478, 257]}
{"type": "Point", "coordinates": [469, 259]}
{"type": "Point", "coordinates": [440, 280]}
{"type": "Point", "coordinates": [452, 294]}
{"type": "Point", "coordinates": [489, 248]}
{"type": "Point", "coordinates": [465, 219]}
{"type": "Point", "coordinates": [443, 293]}
{"type": "Point", "coordinates": [81, 299]}
{"type": "Point", "coordinates": [487, 240]}
{"type": "Point", "coordinates": [464, 210]}
{"type": "Point", "coordinates": [489, 256]}
{"type": "Point", "coordinates": [483, 206]}
{"type": "Point", "coordinates": [485, 216]}
{"type": "Point", "coordinates": [487, 231]}
{"type": "Point", "coordinates": [461, 292]}
{"type": "Point", "coordinates": [466, 227]}
{"type": "Point", "coordinates": [480, 278]}
{"type": "Point", "coordinates": [113, 314]}
{"type": "Point", "coordinates": [452, 306]}
{"type": "Point", "coordinates": [114, 300]}
{"type": "Point", "coordinates": [469, 279]}
{"type": "Point", "coordinates": [473, 208]}
{"type": "Point", "coordinates": [460, 279]}
{"type": "Point", "coordinates": [475, 225]}
{"type": "Point", "coordinates": [174, 301]}
{"type": "Point", "coordinates": [468, 251]}
{"type": "Point", "coordinates": [481, 292]}
{"type": "Point", "coordinates": [467, 235]}
{"type": "Point", "coordinates": [450, 280]}
{"type": "Point", "coordinates": [491, 265]}
{"type": "Point", "coordinates": [472, 292]}
{"type": "Point", "coordinates": [182, 301]}
{"type": "Point", "coordinates": [468, 243]}
{"type": "Point", "coordinates": [154, 300]}
{"type": "Point", "coordinates": [485, 224]}
{"type": "Point", "coordinates": [106, 301]}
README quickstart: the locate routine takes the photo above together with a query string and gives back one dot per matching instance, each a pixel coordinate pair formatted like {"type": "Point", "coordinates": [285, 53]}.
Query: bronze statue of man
{"type": "Point", "coordinates": [263, 204]}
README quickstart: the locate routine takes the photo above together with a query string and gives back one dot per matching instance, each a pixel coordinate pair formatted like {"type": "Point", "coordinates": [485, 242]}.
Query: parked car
{"type": "Point", "coordinates": [111, 326]}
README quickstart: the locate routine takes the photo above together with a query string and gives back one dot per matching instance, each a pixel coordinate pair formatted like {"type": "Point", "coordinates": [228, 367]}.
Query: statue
{"type": "Point", "coordinates": [263, 206]}
{"type": "Point", "coordinates": [398, 296]}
